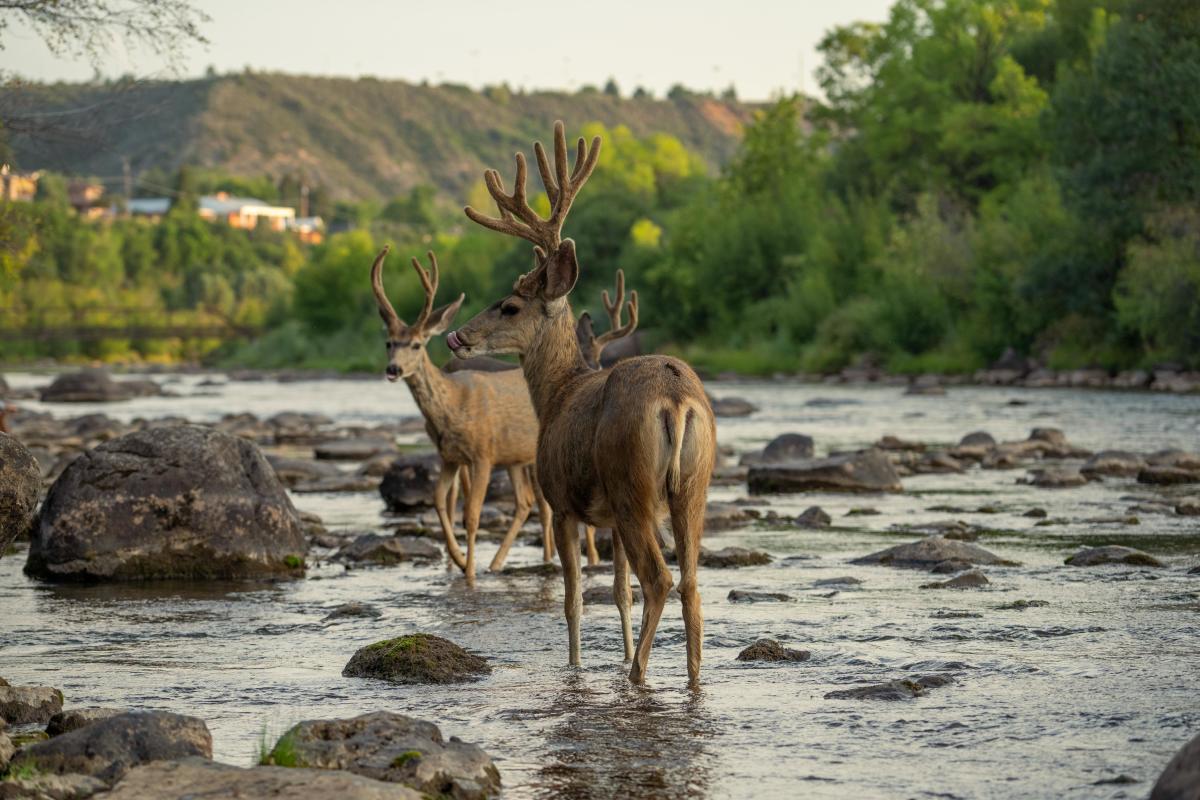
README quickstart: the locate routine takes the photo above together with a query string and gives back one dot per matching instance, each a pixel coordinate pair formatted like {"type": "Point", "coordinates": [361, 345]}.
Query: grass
{"type": "Point", "coordinates": [26, 770]}
{"type": "Point", "coordinates": [402, 759]}
{"type": "Point", "coordinates": [293, 562]}
{"type": "Point", "coordinates": [283, 754]}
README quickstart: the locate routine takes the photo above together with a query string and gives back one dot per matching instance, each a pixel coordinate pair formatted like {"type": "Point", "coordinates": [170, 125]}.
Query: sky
{"type": "Point", "coordinates": [761, 47]}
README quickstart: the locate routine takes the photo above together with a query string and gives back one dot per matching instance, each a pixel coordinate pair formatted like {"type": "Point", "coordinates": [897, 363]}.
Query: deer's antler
{"type": "Point", "coordinates": [429, 281]}
{"type": "Point", "coordinates": [616, 330]}
{"type": "Point", "coordinates": [390, 318]}
{"type": "Point", "coordinates": [516, 217]}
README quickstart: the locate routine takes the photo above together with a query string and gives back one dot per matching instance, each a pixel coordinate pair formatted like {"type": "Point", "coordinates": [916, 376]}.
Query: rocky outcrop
{"type": "Point", "coordinates": [929, 552]}
{"type": "Point", "coordinates": [371, 548]}
{"type": "Point", "coordinates": [76, 718]}
{"type": "Point", "coordinates": [174, 502]}
{"type": "Point", "coordinates": [393, 748]}
{"type": "Point", "coordinates": [417, 658]}
{"type": "Point", "coordinates": [195, 778]}
{"type": "Point", "coordinates": [771, 650]}
{"type": "Point", "coordinates": [865, 471]}
{"type": "Point", "coordinates": [410, 482]}
{"type": "Point", "coordinates": [24, 704]}
{"type": "Point", "coordinates": [1164, 475]}
{"type": "Point", "coordinates": [1180, 780]}
{"type": "Point", "coordinates": [20, 484]}
{"type": "Point", "coordinates": [109, 748]}
{"type": "Point", "coordinates": [1112, 554]}
{"type": "Point", "coordinates": [87, 386]}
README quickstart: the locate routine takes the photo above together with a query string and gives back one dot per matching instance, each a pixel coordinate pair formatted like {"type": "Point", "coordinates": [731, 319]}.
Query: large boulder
{"type": "Point", "coordinates": [1114, 462]}
{"type": "Point", "coordinates": [731, 406]}
{"type": "Point", "coordinates": [24, 704]}
{"type": "Point", "coordinates": [1180, 780]}
{"type": "Point", "coordinates": [788, 447]}
{"type": "Point", "coordinates": [174, 502]}
{"type": "Point", "coordinates": [20, 483]}
{"type": "Point", "coordinates": [1112, 554]}
{"type": "Point", "coordinates": [109, 748]}
{"type": "Point", "coordinates": [864, 471]}
{"type": "Point", "coordinates": [393, 748]}
{"type": "Point", "coordinates": [76, 718]}
{"type": "Point", "coordinates": [928, 553]}
{"type": "Point", "coordinates": [86, 386]}
{"type": "Point", "coordinates": [411, 481]}
{"type": "Point", "coordinates": [193, 778]}
{"type": "Point", "coordinates": [418, 658]}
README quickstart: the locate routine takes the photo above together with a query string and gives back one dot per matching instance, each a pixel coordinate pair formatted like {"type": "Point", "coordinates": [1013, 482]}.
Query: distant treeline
{"type": "Point", "coordinates": [982, 174]}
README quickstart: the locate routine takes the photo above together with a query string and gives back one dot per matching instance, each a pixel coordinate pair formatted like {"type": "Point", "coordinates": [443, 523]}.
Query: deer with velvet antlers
{"type": "Point", "coordinates": [477, 420]}
{"type": "Point", "coordinates": [623, 448]}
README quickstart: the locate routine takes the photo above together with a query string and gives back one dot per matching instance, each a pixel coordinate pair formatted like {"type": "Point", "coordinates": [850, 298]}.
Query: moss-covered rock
{"type": "Point", "coordinates": [417, 658]}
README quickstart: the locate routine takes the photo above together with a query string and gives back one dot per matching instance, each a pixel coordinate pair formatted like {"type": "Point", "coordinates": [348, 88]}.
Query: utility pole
{"type": "Point", "coordinates": [127, 178]}
{"type": "Point", "coordinates": [303, 198]}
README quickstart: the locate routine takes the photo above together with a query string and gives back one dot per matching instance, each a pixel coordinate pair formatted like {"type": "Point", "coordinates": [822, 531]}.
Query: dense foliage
{"type": "Point", "coordinates": [982, 174]}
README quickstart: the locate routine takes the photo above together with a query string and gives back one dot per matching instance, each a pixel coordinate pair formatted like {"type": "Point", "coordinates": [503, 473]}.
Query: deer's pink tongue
{"type": "Point", "coordinates": [452, 341]}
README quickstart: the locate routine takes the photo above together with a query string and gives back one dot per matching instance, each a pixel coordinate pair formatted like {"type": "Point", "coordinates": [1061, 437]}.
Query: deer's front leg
{"type": "Point", "coordinates": [442, 499]}
{"type": "Point", "coordinates": [481, 473]}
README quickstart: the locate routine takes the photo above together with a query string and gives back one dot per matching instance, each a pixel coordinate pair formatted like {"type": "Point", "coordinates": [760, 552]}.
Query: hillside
{"type": "Point", "coordinates": [360, 138]}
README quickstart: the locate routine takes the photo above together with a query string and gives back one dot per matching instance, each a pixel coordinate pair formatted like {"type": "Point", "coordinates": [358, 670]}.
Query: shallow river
{"type": "Point", "coordinates": [1053, 701]}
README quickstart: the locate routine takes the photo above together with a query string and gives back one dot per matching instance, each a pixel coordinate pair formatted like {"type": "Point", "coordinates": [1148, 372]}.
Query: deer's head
{"type": "Point", "coordinates": [510, 325]}
{"type": "Point", "coordinates": [406, 343]}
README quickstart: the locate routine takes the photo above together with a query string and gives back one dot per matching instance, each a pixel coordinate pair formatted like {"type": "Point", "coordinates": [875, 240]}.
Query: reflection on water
{"type": "Point", "coordinates": [1049, 700]}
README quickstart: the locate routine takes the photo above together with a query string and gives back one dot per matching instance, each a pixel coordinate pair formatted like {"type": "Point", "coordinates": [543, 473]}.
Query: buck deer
{"type": "Point", "coordinates": [622, 448]}
{"type": "Point", "coordinates": [476, 420]}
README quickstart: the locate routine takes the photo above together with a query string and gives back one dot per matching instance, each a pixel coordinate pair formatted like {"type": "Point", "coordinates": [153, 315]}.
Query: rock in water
{"type": "Point", "coordinates": [813, 517]}
{"type": "Point", "coordinates": [968, 580]}
{"type": "Point", "coordinates": [1112, 554]}
{"type": "Point", "coordinates": [371, 548]}
{"type": "Point", "coordinates": [865, 471]}
{"type": "Point", "coordinates": [6, 750]}
{"type": "Point", "coordinates": [193, 778]}
{"type": "Point", "coordinates": [731, 406]}
{"type": "Point", "coordinates": [892, 690]}
{"type": "Point", "coordinates": [24, 704]}
{"type": "Point", "coordinates": [76, 718]}
{"type": "Point", "coordinates": [788, 447]}
{"type": "Point", "coordinates": [86, 386]}
{"type": "Point", "coordinates": [173, 502]}
{"type": "Point", "coordinates": [1113, 462]}
{"type": "Point", "coordinates": [410, 481]}
{"type": "Point", "coordinates": [934, 550]}
{"type": "Point", "coordinates": [419, 658]}
{"type": "Point", "coordinates": [771, 650]}
{"type": "Point", "coordinates": [393, 748]}
{"type": "Point", "coordinates": [1181, 778]}
{"type": "Point", "coordinates": [20, 483]}
{"type": "Point", "coordinates": [731, 557]}
{"type": "Point", "coordinates": [744, 596]}
{"type": "Point", "coordinates": [109, 748]}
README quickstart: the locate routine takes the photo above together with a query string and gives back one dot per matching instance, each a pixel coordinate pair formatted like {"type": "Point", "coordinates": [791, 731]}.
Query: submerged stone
{"type": "Point", "coordinates": [1112, 554]}
{"type": "Point", "coordinates": [933, 550]}
{"type": "Point", "coordinates": [968, 580]}
{"type": "Point", "coordinates": [742, 596]}
{"type": "Point", "coordinates": [771, 650]}
{"type": "Point", "coordinates": [418, 658]}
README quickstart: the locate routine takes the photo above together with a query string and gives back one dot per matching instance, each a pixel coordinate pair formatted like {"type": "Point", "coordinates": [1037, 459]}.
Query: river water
{"type": "Point", "coordinates": [1053, 701]}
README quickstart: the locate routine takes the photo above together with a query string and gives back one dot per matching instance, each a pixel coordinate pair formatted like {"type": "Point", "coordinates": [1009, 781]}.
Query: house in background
{"type": "Point", "coordinates": [310, 230]}
{"type": "Point", "coordinates": [85, 197]}
{"type": "Point", "coordinates": [18, 186]}
{"type": "Point", "coordinates": [245, 212]}
{"type": "Point", "coordinates": [151, 209]}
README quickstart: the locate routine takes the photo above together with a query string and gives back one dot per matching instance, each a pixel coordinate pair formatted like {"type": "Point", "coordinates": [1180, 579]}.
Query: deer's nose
{"type": "Point", "coordinates": [393, 371]}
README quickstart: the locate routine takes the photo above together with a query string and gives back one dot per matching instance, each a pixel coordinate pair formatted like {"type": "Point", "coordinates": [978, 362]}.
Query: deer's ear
{"type": "Point", "coordinates": [440, 318]}
{"type": "Point", "coordinates": [562, 271]}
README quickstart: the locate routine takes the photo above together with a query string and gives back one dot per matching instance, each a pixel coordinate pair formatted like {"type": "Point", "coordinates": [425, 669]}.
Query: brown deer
{"type": "Point", "coordinates": [477, 420]}
{"type": "Point", "coordinates": [622, 448]}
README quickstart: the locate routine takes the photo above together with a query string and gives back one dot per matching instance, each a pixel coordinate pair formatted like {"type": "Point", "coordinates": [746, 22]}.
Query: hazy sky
{"type": "Point", "coordinates": [759, 46]}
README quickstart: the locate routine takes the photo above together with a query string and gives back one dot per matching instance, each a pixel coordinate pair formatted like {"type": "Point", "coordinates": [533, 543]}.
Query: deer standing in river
{"type": "Point", "coordinates": [477, 420]}
{"type": "Point", "coordinates": [622, 448]}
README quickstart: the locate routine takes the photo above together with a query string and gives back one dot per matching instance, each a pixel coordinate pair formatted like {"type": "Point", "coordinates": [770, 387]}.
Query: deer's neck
{"type": "Point", "coordinates": [432, 391]}
{"type": "Point", "coordinates": [552, 362]}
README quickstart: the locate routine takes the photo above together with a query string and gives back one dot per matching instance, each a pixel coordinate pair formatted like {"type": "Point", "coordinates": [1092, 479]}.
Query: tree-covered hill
{"type": "Point", "coordinates": [358, 138]}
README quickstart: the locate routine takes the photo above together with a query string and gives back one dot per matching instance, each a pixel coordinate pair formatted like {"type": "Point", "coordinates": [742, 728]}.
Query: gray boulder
{"type": "Point", "coordinates": [1168, 475]}
{"type": "Point", "coordinates": [1056, 478]}
{"type": "Point", "coordinates": [393, 748]}
{"type": "Point", "coordinates": [175, 502]}
{"type": "Point", "coordinates": [1114, 462]}
{"type": "Point", "coordinates": [788, 447]}
{"type": "Point", "coordinates": [418, 658]}
{"type": "Point", "coordinates": [725, 517]}
{"type": "Point", "coordinates": [1188, 507]}
{"type": "Point", "coordinates": [865, 471]}
{"type": "Point", "coordinates": [970, 579]}
{"type": "Point", "coordinates": [929, 552]}
{"type": "Point", "coordinates": [745, 596]}
{"type": "Point", "coordinates": [892, 690]}
{"type": "Point", "coordinates": [76, 718]}
{"type": "Point", "coordinates": [732, 557]}
{"type": "Point", "coordinates": [1180, 779]}
{"type": "Point", "coordinates": [731, 406]}
{"type": "Point", "coordinates": [86, 386]}
{"type": "Point", "coordinates": [1112, 554]}
{"type": "Point", "coordinates": [409, 483]}
{"type": "Point", "coordinates": [24, 704]}
{"type": "Point", "coordinates": [20, 484]}
{"type": "Point", "coordinates": [372, 548]}
{"type": "Point", "coordinates": [813, 517]}
{"type": "Point", "coordinates": [353, 610]}
{"type": "Point", "coordinates": [294, 471]}
{"type": "Point", "coordinates": [109, 748]}
{"type": "Point", "coordinates": [771, 650]}
{"type": "Point", "coordinates": [194, 778]}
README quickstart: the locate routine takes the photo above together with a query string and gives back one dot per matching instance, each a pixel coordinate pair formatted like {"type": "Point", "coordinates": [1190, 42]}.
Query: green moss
{"type": "Point", "coordinates": [33, 737]}
{"type": "Point", "coordinates": [294, 562]}
{"type": "Point", "coordinates": [283, 754]}
{"type": "Point", "coordinates": [405, 757]}
{"type": "Point", "coordinates": [24, 771]}
{"type": "Point", "coordinates": [407, 644]}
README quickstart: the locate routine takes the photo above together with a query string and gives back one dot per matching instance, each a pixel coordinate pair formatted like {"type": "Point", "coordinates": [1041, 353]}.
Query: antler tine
{"type": "Point", "coordinates": [618, 331]}
{"type": "Point", "coordinates": [386, 312]}
{"type": "Point", "coordinates": [429, 281]}
{"type": "Point", "coordinates": [614, 308]}
{"type": "Point", "coordinates": [547, 176]}
{"type": "Point", "coordinates": [569, 186]}
{"type": "Point", "coordinates": [516, 217]}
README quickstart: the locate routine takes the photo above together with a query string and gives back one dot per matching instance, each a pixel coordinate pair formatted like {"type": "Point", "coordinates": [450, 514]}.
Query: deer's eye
{"type": "Point", "coordinates": [509, 309]}
{"type": "Point", "coordinates": [415, 345]}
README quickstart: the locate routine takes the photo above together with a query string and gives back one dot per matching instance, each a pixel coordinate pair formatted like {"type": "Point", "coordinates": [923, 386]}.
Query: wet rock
{"type": "Point", "coordinates": [949, 567]}
{"type": "Point", "coordinates": [865, 471]}
{"type": "Point", "coordinates": [744, 596]}
{"type": "Point", "coordinates": [353, 610]}
{"type": "Point", "coordinates": [20, 485]}
{"type": "Point", "coordinates": [725, 516]}
{"type": "Point", "coordinates": [396, 749]}
{"type": "Point", "coordinates": [1056, 478]}
{"type": "Point", "coordinates": [109, 748]}
{"type": "Point", "coordinates": [787, 447]}
{"type": "Point", "coordinates": [731, 406]}
{"type": "Point", "coordinates": [968, 580]}
{"type": "Point", "coordinates": [934, 681]}
{"type": "Point", "coordinates": [731, 557]}
{"type": "Point", "coordinates": [375, 549]}
{"type": "Point", "coordinates": [845, 580]}
{"type": "Point", "coordinates": [417, 658]}
{"type": "Point", "coordinates": [337, 484]}
{"type": "Point", "coordinates": [937, 462]}
{"type": "Point", "coordinates": [293, 471]}
{"type": "Point", "coordinates": [603, 595]}
{"type": "Point", "coordinates": [178, 502]}
{"type": "Point", "coordinates": [977, 439]}
{"type": "Point", "coordinates": [1174, 458]}
{"type": "Point", "coordinates": [353, 449]}
{"type": "Point", "coordinates": [813, 517]}
{"type": "Point", "coordinates": [1035, 513]}
{"type": "Point", "coordinates": [1188, 507]}
{"type": "Point", "coordinates": [1021, 605]}
{"type": "Point", "coordinates": [410, 481]}
{"type": "Point", "coordinates": [863, 512]}
{"type": "Point", "coordinates": [76, 718]}
{"type": "Point", "coordinates": [896, 444]}
{"type": "Point", "coordinates": [1114, 462]}
{"type": "Point", "coordinates": [193, 778]}
{"type": "Point", "coordinates": [1180, 779]}
{"type": "Point", "coordinates": [892, 690]}
{"type": "Point", "coordinates": [933, 550]}
{"type": "Point", "coordinates": [771, 650]}
{"type": "Point", "coordinates": [23, 704]}
{"type": "Point", "coordinates": [142, 387]}
{"type": "Point", "coordinates": [86, 386]}
{"type": "Point", "coordinates": [47, 786]}
{"type": "Point", "coordinates": [955, 615]}
{"type": "Point", "coordinates": [542, 569]}
{"type": "Point", "coordinates": [1112, 554]}
{"type": "Point", "coordinates": [1168, 476]}
{"type": "Point", "coordinates": [925, 389]}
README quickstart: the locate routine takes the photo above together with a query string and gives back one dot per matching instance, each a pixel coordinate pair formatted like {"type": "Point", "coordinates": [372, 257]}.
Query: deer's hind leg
{"type": "Point", "coordinates": [622, 594]}
{"type": "Point", "coordinates": [566, 532]}
{"type": "Point", "coordinates": [589, 535]}
{"type": "Point", "coordinates": [544, 514]}
{"type": "Point", "coordinates": [687, 523]}
{"type": "Point", "coordinates": [639, 536]}
{"type": "Point", "coordinates": [523, 493]}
